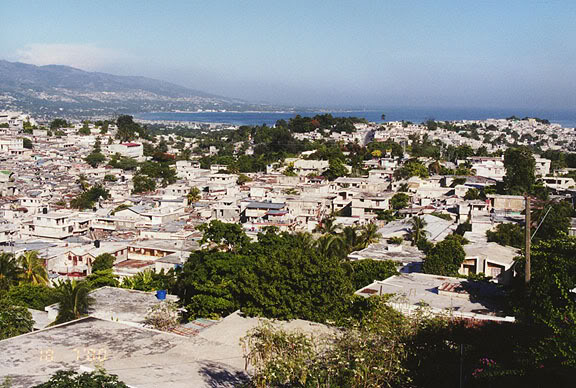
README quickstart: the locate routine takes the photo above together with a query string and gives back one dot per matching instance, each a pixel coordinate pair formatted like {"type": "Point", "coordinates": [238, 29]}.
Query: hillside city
{"type": "Point", "coordinates": [320, 251]}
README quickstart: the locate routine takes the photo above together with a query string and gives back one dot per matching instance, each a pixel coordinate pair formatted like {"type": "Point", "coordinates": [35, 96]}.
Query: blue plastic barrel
{"type": "Point", "coordinates": [161, 294]}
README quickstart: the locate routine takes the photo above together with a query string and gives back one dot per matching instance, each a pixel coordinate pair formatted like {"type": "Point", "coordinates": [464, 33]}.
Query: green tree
{"type": "Point", "coordinates": [127, 129]}
{"type": "Point", "coordinates": [194, 195]}
{"type": "Point", "coordinates": [389, 147]}
{"type": "Point", "coordinates": [27, 143]}
{"type": "Point", "coordinates": [364, 272]}
{"type": "Point", "coordinates": [417, 229]}
{"type": "Point", "coordinates": [243, 179]}
{"type": "Point", "coordinates": [104, 127]}
{"type": "Point", "coordinates": [411, 168]}
{"type": "Point", "coordinates": [332, 245]}
{"type": "Point", "coordinates": [279, 276]}
{"type": "Point", "coordinates": [71, 379]}
{"type": "Point", "coordinates": [336, 169]}
{"type": "Point", "coordinates": [73, 299]}
{"type": "Point", "coordinates": [294, 282]}
{"type": "Point", "coordinates": [10, 270]}
{"type": "Point", "coordinates": [351, 240]}
{"type": "Point", "coordinates": [549, 307]}
{"type": "Point", "coordinates": [89, 197]}
{"type": "Point", "coordinates": [143, 184]}
{"type": "Point", "coordinates": [520, 170]}
{"type": "Point", "coordinates": [103, 262]}
{"type": "Point", "coordinates": [58, 123]}
{"type": "Point", "coordinates": [445, 258]}
{"type": "Point", "coordinates": [557, 221]}
{"type": "Point", "coordinates": [386, 215]}
{"type": "Point", "coordinates": [150, 280]}
{"type": "Point", "coordinates": [123, 162]}
{"type": "Point", "coordinates": [369, 235]}
{"type": "Point", "coordinates": [85, 130]}
{"type": "Point", "coordinates": [162, 146]}
{"type": "Point", "coordinates": [34, 296]}
{"type": "Point", "coordinates": [507, 234]}
{"type": "Point", "coordinates": [225, 236]}
{"type": "Point", "coordinates": [159, 170]}
{"type": "Point", "coordinates": [97, 145]}
{"type": "Point", "coordinates": [474, 194]}
{"type": "Point", "coordinates": [102, 278]}
{"type": "Point", "coordinates": [14, 320]}
{"type": "Point", "coordinates": [34, 271]}
{"type": "Point", "coordinates": [399, 201]}
{"type": "Point", "coordinates": [327, 226]}
{"type": "Point", "coordinates": [94, 159]}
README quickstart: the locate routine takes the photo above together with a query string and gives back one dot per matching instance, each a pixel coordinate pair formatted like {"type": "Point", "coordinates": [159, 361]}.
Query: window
{"type": "Point", "coordinates": [495, 271]}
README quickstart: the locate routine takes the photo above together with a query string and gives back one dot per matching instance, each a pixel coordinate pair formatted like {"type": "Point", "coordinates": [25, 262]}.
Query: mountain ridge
{"type": "Point", "coordinates": [66, 89]}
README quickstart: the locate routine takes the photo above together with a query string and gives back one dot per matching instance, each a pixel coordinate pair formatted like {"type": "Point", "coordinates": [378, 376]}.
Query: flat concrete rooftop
{"type": "Point", "coordinates": [141, 358]}
{"type": "Point", "coordinates": [123, 305]}
{"type": "Point", "coordinates": [477, 300]}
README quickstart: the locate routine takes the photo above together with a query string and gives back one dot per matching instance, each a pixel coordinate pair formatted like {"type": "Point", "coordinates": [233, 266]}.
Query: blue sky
{"type": "Point", "coordinates": [460, 53]}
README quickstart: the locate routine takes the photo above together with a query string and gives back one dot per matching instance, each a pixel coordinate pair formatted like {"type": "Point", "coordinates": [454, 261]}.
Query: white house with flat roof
{"type": "Point", "coordinates": [130, 150]}
{"type": "Point", "coordinates": [12, 145]}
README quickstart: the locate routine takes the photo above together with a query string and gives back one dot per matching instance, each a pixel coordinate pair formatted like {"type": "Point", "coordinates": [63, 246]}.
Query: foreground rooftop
{"type": "Point", "coordinates": [141, 357]}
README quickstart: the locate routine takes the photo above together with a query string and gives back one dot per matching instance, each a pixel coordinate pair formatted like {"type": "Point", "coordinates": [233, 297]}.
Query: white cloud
{"type": "Point", "coordinates": [84, 56]}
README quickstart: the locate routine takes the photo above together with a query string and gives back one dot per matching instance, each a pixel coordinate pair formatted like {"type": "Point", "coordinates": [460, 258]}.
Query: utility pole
{"type": "Point", "coordinates": [528, 238]}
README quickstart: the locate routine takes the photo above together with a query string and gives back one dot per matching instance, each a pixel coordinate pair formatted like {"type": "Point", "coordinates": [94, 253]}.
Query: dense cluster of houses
{"type": "Point", "coordinates": [157, 230]}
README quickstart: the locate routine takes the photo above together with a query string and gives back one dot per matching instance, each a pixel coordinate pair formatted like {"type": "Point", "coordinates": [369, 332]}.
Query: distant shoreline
{"type": "Point", "coordinates": [415, 115]}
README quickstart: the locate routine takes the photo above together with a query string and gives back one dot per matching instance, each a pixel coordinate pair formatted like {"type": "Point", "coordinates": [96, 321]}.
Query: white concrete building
{"type": "Point", "coordinates": [12, 145]}
{"type": "Point", "coordinates": [131, 150]}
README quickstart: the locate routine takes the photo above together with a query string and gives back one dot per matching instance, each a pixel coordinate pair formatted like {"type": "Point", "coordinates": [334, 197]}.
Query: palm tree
{"type": "Point", "coordinates": [330, 245]}
{"type": "Point", "coordinates": [417, 229]}
{"type": "Point", "coordinates": [143, 281]}
{"type": "Point", "coordinates": [305, 239]}
{"type": "Point", "coordinates": [74, 300]}
{"type": "Point", "coordinates": [193, 195]}
{"type": "Point", "coordinates": [327, 226]}
{"type": "Point", "coordinates": [351, 239]}
{"type": "Point", "coordinates": [369, 234]}
{"type": "Point", "coordinates": [10, 271]}
{"type": "Point", "coordinates": [403, 188]}
{"type": "Point", "coordinates": [33, 269]}
{"type": "Point", "coordinates": [83, 182]}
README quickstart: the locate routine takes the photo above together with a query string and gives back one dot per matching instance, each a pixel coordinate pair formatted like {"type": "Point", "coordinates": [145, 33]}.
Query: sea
{"type": "Point", "coordinates": [415, 115]}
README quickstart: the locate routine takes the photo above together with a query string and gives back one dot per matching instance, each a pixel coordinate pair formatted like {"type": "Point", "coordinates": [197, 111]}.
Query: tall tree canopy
{"type": "Point", "coordinates": [520, 170]}
{"type": "Point", "coordinates": [14, 320]}
{"type": "Point", "coordinates": [444, 258]}
{"type": "Point", "coordinates": [279, 276]}
{"type": "Point", "coordinates": [549, 305]}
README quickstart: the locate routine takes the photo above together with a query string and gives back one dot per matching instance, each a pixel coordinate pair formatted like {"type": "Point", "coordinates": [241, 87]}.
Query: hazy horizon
{"type": "Point", "coordinates": [371, 54]}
